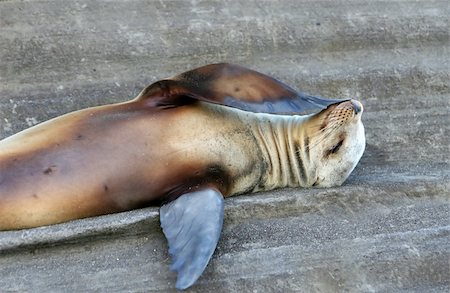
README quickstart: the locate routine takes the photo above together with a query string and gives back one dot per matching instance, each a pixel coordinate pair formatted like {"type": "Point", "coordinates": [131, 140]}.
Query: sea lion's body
{"type": "Point", "coordinates": [185, 143]}
{"type": "Point", "coordinates": [81, 165]}
{"type": "Point", "coordinates": [124, 156]}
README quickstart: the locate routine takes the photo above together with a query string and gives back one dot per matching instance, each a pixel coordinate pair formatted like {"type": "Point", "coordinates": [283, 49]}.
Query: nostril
{"type": "Point", "coordinates": [357, 106]}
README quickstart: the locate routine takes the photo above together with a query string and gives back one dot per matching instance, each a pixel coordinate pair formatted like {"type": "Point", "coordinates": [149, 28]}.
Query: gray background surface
{"type": "Point", "coordinates": [386, 230]}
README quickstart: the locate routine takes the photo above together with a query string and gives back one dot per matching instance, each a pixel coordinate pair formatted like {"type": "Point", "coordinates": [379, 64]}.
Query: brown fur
{"type": "Point", "coordinates": [163, 144]}
{"type": "Point", "coordinates": [114, 158]}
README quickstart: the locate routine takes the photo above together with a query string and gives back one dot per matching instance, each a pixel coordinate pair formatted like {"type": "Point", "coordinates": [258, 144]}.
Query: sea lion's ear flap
{"type": "Point", "coordinates": [233, 86]}
{"type": "Point", "coordinates": [192, 225]}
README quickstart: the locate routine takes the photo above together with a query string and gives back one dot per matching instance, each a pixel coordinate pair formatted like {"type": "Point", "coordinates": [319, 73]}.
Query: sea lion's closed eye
{"type": "Point", "coordinates": [334, 149]}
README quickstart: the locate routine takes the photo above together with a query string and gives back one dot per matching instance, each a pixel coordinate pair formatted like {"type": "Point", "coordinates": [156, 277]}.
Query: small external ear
{"type": "Point", "coordinates": [233, 86]}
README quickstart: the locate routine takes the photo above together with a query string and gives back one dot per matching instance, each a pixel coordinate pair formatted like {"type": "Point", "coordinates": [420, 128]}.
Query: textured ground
{"type": "Point", "coordinates": [386, 230]}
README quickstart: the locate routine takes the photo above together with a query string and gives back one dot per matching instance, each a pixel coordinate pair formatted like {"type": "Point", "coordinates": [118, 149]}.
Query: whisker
{"type": "Point", "coordinates": [323, 134]}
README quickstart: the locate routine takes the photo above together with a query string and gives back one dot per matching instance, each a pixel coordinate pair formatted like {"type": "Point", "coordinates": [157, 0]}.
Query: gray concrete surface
{"type": "Point", "coordinates": [386, 230]}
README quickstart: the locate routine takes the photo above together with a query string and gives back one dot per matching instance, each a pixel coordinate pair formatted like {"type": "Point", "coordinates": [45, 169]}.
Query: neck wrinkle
{"type": "Point", "coordinates": [280, 141]}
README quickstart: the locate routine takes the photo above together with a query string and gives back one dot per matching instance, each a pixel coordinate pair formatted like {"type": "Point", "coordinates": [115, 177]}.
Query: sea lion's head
{"type": "Point", "coordinates": [336, 142]}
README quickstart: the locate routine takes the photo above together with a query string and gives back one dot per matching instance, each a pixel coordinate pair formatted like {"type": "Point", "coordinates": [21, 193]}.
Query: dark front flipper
{"type": "Point", "coordinates": [233, 86]}
{"type": "Point", "coordinates": [192, 224]}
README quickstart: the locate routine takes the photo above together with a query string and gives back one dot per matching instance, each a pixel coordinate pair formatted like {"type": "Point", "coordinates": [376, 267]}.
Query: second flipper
{"type": "Point", "coordinates": [192, 225]}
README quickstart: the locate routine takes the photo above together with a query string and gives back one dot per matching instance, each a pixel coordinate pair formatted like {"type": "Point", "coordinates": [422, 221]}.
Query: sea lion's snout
{"type": "Point", "coordinates": [357, 106]}
{"type": "Point", "coordinates": [351, 107]}
{"type": "Point", "coordinates": [341, 114]}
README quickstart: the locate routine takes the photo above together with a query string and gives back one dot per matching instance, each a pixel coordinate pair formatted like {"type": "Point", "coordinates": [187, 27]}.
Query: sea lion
{"type": "Point", "coordinates": [185, 143]}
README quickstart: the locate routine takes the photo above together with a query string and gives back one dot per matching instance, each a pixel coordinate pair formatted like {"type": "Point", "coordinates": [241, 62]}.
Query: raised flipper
{"type": "Point", "coordinates": [192, 224]}
{"type": "Point", "coordinates": [233, 86]}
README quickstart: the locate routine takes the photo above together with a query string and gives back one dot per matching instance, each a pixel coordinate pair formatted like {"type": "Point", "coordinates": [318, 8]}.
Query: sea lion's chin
{"type": "Point", "coordinates": [341, 149]}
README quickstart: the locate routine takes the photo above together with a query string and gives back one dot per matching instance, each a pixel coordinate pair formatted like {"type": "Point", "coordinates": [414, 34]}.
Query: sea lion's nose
{"type": "Point", "coordinates": [357, 106]}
